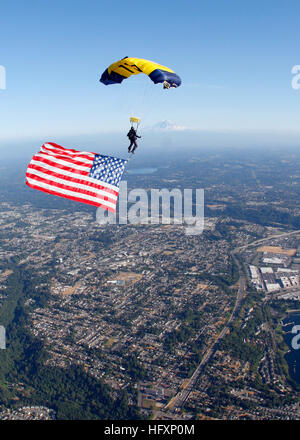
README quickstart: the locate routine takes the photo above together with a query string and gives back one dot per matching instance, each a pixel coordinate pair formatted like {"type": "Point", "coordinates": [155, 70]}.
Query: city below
{"type": "Point", "coordinates": [142, 321]}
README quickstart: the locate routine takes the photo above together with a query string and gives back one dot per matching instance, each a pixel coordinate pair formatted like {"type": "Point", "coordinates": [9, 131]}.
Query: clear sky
{"type": "Point", "coordinates": [234, 57]}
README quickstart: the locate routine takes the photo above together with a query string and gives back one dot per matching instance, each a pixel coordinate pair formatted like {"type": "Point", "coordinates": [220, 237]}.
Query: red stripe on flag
{"type": "Point", "coordinates": [58, 165]}
{"type": "Point", "coordinates": [76, 199]}
{"type": "Point", "coordinates": [71, 188]}
{"type": "Point", "coordinates": [65, 153]}
{"type": "Point", "coordinates": [59, 147]}
{"type": "Point", "coordinates": [67, 159]}
{"type": "Point", "coordinates": [72, 179]}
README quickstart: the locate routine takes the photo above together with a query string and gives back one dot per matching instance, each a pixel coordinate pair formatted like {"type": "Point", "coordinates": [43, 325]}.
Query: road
{"type": "Point", "coordinates": [261, 240]}
{"type": "Point", "coordinates": [177, 402]}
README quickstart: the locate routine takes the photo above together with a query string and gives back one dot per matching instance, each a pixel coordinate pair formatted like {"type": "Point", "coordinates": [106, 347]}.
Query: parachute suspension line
{"type": "Point", "coordinates": [142, 107]}
{"type": "Point", "coordinates": [135, 120]}
{"type": "Point", "coordinates": [121, 70]}
{"type": "Point", "coordinates": [149, 104]}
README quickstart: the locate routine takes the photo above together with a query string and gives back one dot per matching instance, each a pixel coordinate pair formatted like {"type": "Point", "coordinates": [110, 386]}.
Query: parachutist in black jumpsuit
{"type": "Point", "coordinates": [132, 137]}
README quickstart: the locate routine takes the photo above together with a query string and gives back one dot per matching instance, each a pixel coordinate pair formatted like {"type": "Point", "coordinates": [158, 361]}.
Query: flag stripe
{"type": "Point", "coordinates": [70, 192]}
{"type": "Point", "coordinates": [81, 156]}
{"type": "Point", "coordinates": [68, 177]}
{"type": "Point", "coordinates": [79, 159]}
{"type": "Point", "coordinates": [75, 186]}
{"type": "Point", "coordinates": [76, 199]}
{"type": "Point", "coordinates": [69, 151]}
{"type": "Point", "coordinates": [65, 161]}
{"type": "Point", "coordinates": [50, 164]}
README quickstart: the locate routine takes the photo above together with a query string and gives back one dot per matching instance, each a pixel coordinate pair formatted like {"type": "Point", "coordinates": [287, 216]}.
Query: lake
{"type": "Point", "coordinates": [142, 171]}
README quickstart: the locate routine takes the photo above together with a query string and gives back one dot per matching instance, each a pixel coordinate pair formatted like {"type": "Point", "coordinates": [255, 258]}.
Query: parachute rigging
{"type": "Point", "coordinates": [135, 120]}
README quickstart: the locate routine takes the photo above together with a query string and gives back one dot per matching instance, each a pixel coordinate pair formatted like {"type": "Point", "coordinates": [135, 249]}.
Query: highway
{"type": "Point", "coordinates": [177, 402]}
{"type": "Point", "coordinates": [261, 240]}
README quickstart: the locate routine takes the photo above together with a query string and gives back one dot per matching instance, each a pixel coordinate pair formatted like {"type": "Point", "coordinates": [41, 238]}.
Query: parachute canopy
{"type": "Point", "coordinates": [135, 119]}
{"type": "Point", "coordinates": [126, 67]}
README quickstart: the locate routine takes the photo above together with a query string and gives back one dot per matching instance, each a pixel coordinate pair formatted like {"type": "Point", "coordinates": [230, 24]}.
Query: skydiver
{"type": "Point", "coordinates": [132, 137]}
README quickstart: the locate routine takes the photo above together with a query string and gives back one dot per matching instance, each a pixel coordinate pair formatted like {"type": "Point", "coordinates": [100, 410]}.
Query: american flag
{"type": "Point", "coordinates": [77, 175]}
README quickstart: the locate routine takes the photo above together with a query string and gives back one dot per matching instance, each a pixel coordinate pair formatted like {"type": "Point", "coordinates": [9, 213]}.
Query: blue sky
{"type": "Point", "coordinates": [234, 58]}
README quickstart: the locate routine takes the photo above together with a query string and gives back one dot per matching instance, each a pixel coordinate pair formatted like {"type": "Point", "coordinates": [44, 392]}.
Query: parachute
{"type": "Point", "coordinates": [126, 67]}
{"type": "Point", "coordinates": [135, 120]}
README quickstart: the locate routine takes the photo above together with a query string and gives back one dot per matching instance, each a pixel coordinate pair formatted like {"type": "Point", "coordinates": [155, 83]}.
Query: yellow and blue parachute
{"type": "Point", "coordinates": [126, 67]}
